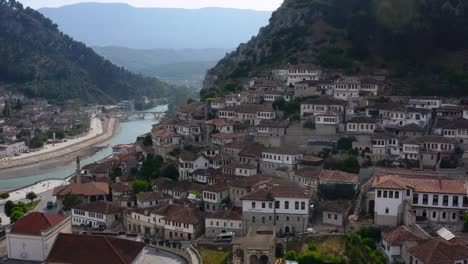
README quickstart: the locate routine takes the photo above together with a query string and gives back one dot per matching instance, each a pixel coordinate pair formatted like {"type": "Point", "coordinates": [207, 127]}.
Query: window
{"type": "Point", "coordinates": [302, 205]}
{"type": "Point", "coordinates": [286, 205]}
{"type": "Point", "coordinates": [390, 194]}
{"type": "Point", "coordinates": [435, 199]}
{"type": "Point", "coordinates": [263, 205]}
{"type": "Point", "coordinates": [454, 216]}
{"type": "Point", "coordinates": [408, 192]}
{"type": "Point", "coordinates": [465, 201]}
{"type": "Point", "coordinates": [379, 193]}
{"type": "Point", "coordinates": [434, 214]}
{"type": "Point", "coordinates": [277, 204]}
{"type": "Point", "coordinates": [387, 210]}
{"type": "Point", "coordinates": [263, 220]}
{"type": "Point", "coordinates": [270, 205]}
{"type": "Point", "coordinates": [445, 200]}
{"type": "Point", "coordinates": [329, 216]}
{"type": "Point", "coordinates": [397, 195]}
{"type": "Point", "coordinates": [253, 219]}
{"type": "Point", "coordinates": [415, 198]}
{"type": "Point", "coordinates": [385, 194]}
{"type": "Point", "coordinates": [425, 199]}
{"type": "Point", "coordinates": [296, 205]}
{"type": "Point", "coordinates": [253, 204]}
{"type": "Point", "coordinates": [336, 217]}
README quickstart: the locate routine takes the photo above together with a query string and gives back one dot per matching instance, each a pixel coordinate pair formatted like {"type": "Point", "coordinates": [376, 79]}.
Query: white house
{"type": "Point", "coordinates": [282, 157]}
{"type": "Point", "coordinates": [298, 73]}
{"type": "Point", "coordinates": [151, 199]}
{"type": "Point", "coordinates": [286, 206]}
{"type": "Point", "coordinates": [425, 103]}
{"type": "Point", "coordinates": [189, 162]}
{"type": "Point", "coordinates": [97, 214]}
{"type": "Point", "coordinates": [393, 240]}
{"type": "Point", "coordinates": [315, 106]}
{"type": "Point", "coordinates": [213, 196]}
{"type": "Point", "coordinates": [31, 238]}
{"type": "Point", "coordinates": [14, 148]}
{"type": "Point", "coordinates": [361, 125]}
{"type": "Point", "coordinates": [428, 199]}
{"type": "Point", "coordinates": [223, 222]}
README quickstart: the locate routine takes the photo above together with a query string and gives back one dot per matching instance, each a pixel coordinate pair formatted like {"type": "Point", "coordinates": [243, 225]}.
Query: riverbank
{"type": "Point", "coordinates": [62, 155]}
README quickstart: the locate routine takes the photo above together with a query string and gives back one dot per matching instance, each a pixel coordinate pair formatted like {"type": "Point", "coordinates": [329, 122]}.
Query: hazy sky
{"type": "Point", "coordinates": [243, 4]}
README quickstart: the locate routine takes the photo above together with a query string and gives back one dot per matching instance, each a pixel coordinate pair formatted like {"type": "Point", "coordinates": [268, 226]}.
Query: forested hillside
{"type": "Point", "coordinates": [41, 61]}
{"type": "Point", "coordinates": [422, 45]}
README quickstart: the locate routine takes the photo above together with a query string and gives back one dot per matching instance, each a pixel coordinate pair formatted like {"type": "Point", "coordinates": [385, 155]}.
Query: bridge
{"type": "Point", "coordinates": [135, 115]}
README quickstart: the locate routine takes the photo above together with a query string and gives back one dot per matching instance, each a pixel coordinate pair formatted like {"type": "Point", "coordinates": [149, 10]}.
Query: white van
{"type": "Point", "coordinates": [225, 237]}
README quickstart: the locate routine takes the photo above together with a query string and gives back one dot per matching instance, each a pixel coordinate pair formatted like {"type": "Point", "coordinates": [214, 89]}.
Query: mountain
{"type": "Point", "coordinates": [41, 61]}
{"type": "Point", "coordinates": [422, 45]}
{"type": "Point", "coordinates": [99, 24]}
{"type": "Point", "coordinates": [185, 66]}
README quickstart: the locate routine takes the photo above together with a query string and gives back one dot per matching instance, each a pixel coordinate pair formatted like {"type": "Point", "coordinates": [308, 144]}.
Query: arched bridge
{"type": "Point", "coordinates": [136, 115]}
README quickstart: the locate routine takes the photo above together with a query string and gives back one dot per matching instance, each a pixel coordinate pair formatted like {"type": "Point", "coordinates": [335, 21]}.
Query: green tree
{"type": "Point", "coordinates": [70, 200]}
{"type": "Point", "coordinates": [291, 255]}
{"type": "Point", "coordinates": [15, 215]}
{"type": "Point", "coordinates": [8, 208]}
{"type": "Point", "coordinates": [140, 186]}
{"type": "Point", "coordinates": [345, 143]}
{"type": "Point", "coordinates": [31, 196]}
{"type": "Point", "coordinates": [148, 141]}
{"type": "Point", "coordinates": [170, 171]}
{"type": "Point", "coordinates": [4, 195]}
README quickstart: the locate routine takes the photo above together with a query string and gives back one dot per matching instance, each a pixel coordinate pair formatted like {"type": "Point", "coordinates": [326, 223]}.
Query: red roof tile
{"type": "Point", "coordinates": [83, 249]}
{"type": "Point", "coordinates": [34, 223]}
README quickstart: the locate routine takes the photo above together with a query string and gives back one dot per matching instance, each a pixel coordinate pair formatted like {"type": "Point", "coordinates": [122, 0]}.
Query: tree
{"type": "Point", "coordinates": [170, 171]}
{"type": "Point", "coordinates": [8, 208]}
{"type": "Point", "coordinates": [31, 196]}
{"type": "Point", "coordinates": [15, 215]}
{"type": "Point", "coordinates": [70, 200]}
{"type": "Point", "coordinates": [140, 186]}
{"type": "Point", "coordinates": [4, 195]}
{"type": "Point", "coordinates": [345, 143]}
{"type": "Point", "coordinates": [148, 141]}
{"type": "Point", "coordinates": [465, 223]}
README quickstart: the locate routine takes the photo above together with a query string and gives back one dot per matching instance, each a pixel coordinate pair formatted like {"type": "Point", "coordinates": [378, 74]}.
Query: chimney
{"type": "Point", "coordinates": [78, 170]}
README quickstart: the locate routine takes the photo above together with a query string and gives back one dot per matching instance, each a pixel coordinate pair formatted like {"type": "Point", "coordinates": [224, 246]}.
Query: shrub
{"type": "Point", "coordinates": [291, 255]}
{"type": "Point", "coordinates": [4, 195]}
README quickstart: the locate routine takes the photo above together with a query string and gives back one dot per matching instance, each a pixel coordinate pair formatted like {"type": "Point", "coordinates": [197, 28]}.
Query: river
{"type": "Point", "coordinates": [127, 133]}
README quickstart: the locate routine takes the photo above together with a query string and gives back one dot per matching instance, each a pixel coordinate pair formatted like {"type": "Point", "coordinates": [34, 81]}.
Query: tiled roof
{"type": "Point", "coordinates": [100, 207]}
{"type": "Point", "coordinates": [325, 100]}
{"type": "Point", "coordinates": [336, 206]}
{"type": "Point", "coordinates": [152, 196]}
{"type": "Point", "coordinates": [226, 136]}
{"type": "Point", "coordinates": [226, 215]}
{"type": "Point", "coordinates": [283, 151]}
{"type": "Point", "coordinates": [273, 123]}
{"type": "Point", "coordinates": [393, 182]}
{"type": "Point", "coordinates": [219, 122]}
{"type": "Point", "coordinates": [85, 189]}
{"type": "Point", "coordinates": [435, 251]}
{"type": "Point", "coordinates": [399, 235]}
{"type": "Point", "coordinates": [311, 173]}
{"type": "Point", "coordinates": [181, 214]}
{"type": "Point", "coordinates": [85, 249]}
{"type": "Point", "coordinates": [338, 176]}
{"type": "Point", "coordinates": [34, 223]}
{"type": "Point", "coordinates": [362, 119]}
{"type": "Point", "coordinates": [268, 193]}
{"type": "Point", "coordinates": [161, 182]}
{"type": "Point", "coordinates": [122, 187]}
{"type": "Point", "coordinates": [164, 134]}
{"type": "Point", "coordinates": [457, 124]}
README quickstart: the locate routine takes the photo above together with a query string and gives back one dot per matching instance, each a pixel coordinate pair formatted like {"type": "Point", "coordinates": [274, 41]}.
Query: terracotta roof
{"type": "Point", "coordinates": [283, 151]}
{"type": "Point", "coordinates": [457, 124]}
{"type": "Point", "coordinates": [248, 182]}
{"type": "Point", "coordinates": [311, 158]}
{"type": "Point", "coordinates": [237, 144]}
{"type": "Point", "coordinates": [122, 187]}
{"type": "Point", "coordinates": [338, 176]}
{"type": "Point", "coordinates": [219, 187]}
{"type": "Point", "coordinates": [273, 123]}
{"type": "Point", "coordinates": [269, 193]}
{"type": "Point", "coordinates": [429, 184]}
{"type": "Point", "coordinates": [362, 119]}
{"type": "Point", "coordinates": [411, 127]}
{"type": "Point", "coordinates": [34, 223]}
{"type": "Point", "coordinates": [311, 173]}
{"type": "Point", "coordinates": [84, 189]}
{"type": "Point", "coordinates": [84, 249]}
{"type": "Point", "coordinates": [181, 214]}
{"type": "Point", "coordinates": [226, 136]}
{"type": "Point", "coordinates": [100, 207]}
{"type": "Point", "coordinates": [253, 150]}
{"type": "Point", "coordinates": [161, 181]}
{"type": "Point", "coordinates": [325, 100]}
{"type": "Point", "coordinates": [336, 206]}
{"type": "Point", "coordinates": [164, 134]}
{"type": "Point", "coordinates": [399, 235]}
{"type": "Point", "coordinates": [435, 251]}
{"type": "Point", "coordinates": [226, 214]}
{"type": "Point", "coordinates": [393, 182]}
{"type": "Point", "coordinates": [189, 156]}
{"type": "Point", "coordinates": [152, 196]}
{"type": "Point", "coordinates": [219, 122]}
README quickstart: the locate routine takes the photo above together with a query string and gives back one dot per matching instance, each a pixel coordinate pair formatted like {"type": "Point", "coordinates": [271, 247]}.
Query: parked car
{"type": "Point", "coordinates": [51, 204]}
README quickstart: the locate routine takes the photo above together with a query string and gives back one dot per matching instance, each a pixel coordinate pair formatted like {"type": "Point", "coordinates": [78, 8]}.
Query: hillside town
{"type": "Point", "coordinates": [295, 154]}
